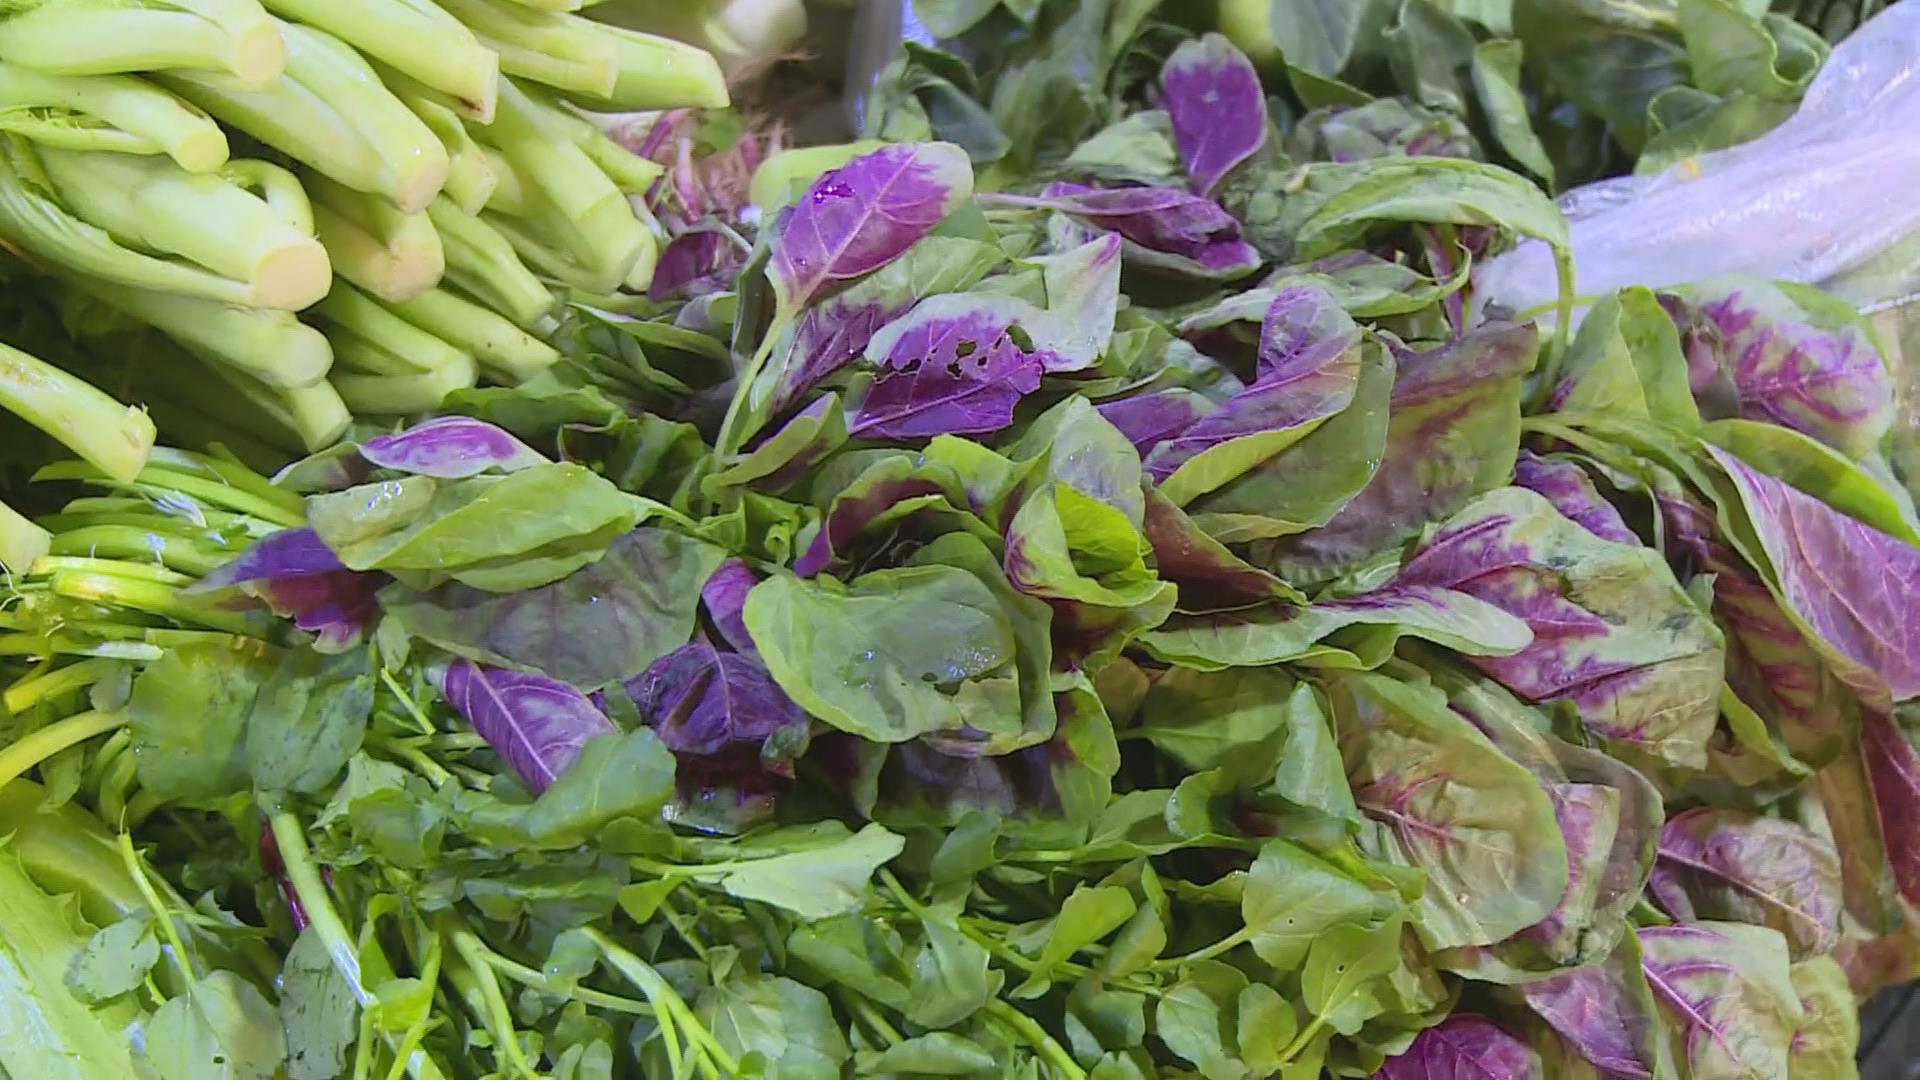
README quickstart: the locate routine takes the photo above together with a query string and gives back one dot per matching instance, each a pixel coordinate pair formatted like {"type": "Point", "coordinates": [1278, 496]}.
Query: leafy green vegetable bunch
{"type": "Point", "coordinates": [1130, 616]}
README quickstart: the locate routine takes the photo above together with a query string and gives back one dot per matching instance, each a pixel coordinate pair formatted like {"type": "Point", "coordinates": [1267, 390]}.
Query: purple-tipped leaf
{"type": "Point", "coordinates": [1849, 584]}
{"type": "Point", "coordinates": [1604, 1011]}
{"type": "Point", "coordinates": [858, 217]}
{"type": "Point", "coordinates": [954, 365]}
{"type": "Point", "coordinates": [1219, 111]}
{"type": "Point", "coordinates": [1309, 370]}
{"type": "Point", "coordinates": [1463, 1047]}
{"type": "Point", "coordinates": [1728, 996]}
{"type": "Point", "coordinates": [1571, 492]}
{"type": "Point", "coordinates": [1725, 864]}
{"type": "Point", "coordinates": [289, 553]}
{"type": "Point", "coordinates": [702, 700]}
{"type": "Point", "coordinates": [450, 448]}
{"type": "Point", "coordinates": [1799, 360]}
{"type": "Point", "coordinates": [538, 725]}
{"type": "Point", "coordinates": [695, 263]}
{"type": "Point", "coordinates": [1613, 632]}
{"type": "Point", "coordinates": [1893, 776]}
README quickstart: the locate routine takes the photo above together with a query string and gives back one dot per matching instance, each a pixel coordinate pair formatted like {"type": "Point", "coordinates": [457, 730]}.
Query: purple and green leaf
{"type": "Point", "coordinates": [1217, 106]}
{"type": "Point", "coordinates": [536, 724]}
{"type": "Point", "coordinates": [1734, 866]}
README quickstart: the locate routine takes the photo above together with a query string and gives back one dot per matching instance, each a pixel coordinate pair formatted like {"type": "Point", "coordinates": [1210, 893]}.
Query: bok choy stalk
{"type": "Point", "coordinates": [265, 344]}
{"type": "Point", "coordinates": [416, 37]}
{"type": "Point", "coordinates": [375, 245]}
{"type": "Point", "coordinates": [112, 437]}
{"type": "Point", "coordinates": [470, 173]}
{"type": "Point", "coordinates": [597, 62]}
{"type": "Point", "coordinates": [234, 37]}
{"type": "Point", "coordinates": [404, 393]}
{"type": "Point", "coordinates": [330, 113]}
{"type": "Point", "coordinates": [369, 339]}
{"type": "Point", "coordinates": [108, 112]}
{"type": "Point", "coordinates": [35, 220]}
{"type": "Point", "coordinates": [483, 263]}
{"type": "Point", "coordinates": [250, 223]}
{"type": "Point", "coordinates": [505, 351]}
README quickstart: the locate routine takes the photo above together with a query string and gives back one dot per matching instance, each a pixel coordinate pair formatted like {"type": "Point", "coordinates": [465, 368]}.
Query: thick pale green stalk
{"type": "Point", "coordinates": [108, 112]}
{"type": "Point", "coordinates": [400, 395]}
{"type": "Point", "coordinates": [22, 543]}
{"type": "Point", "coordinates": [232, 36]}
{"type": "Point", "coordinates": [661, 73]}
{"type": "Point", "coordinates": [114, 438]}
{"type": "Point", "coordinates": [314, 416]}
{"type": "Point", "coordinates": [269, 345]}
{"type": "Point", "coordinates": [484, 264]}
{"type": "Point", "coordinates": [151, 203]}
{"type": "Point", "coordinates": [600, 256]}
{"type": "Point", "coordinates": [35, 223]}
{"type": "Point", "coordinates": [370, 339]}
{"type": "Point", "coordinates": [332, 114]}
{"type": "Point", "coordinates": [413, 36]}
{"type": "Point", "coordinates": [512, 194]}
{"type": "Point", "coordinates": [629, 171]}
{"type": "Point", "coordinates": [504, 350]}
{"type": "Point", "coordinates": [560, 50]}
{"type": "Point", "coordinates": [391, 254]}
{"type": "Point", "coordinates": [470, 175]}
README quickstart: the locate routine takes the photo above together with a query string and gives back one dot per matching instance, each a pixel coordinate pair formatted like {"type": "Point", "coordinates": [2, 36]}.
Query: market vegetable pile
{"type": "Point", "coordinates": [1076, 585]}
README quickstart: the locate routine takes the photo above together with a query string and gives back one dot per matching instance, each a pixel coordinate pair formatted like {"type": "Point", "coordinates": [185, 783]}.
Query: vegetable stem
{"type": "Point", "coordinates": [30, 750]}
{"type": "Point", "coordinates": [1030, 1029]}
{"type": "Point", "coordinates": [297, 860]}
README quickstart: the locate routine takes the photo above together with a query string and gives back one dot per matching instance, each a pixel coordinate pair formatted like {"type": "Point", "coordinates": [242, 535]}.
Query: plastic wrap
{"type": "Point", "coordinates": [1830, 197]}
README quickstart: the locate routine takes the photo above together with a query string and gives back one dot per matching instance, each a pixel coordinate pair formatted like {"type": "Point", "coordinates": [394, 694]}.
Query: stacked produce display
{"type": "Point", "coordinates": [1077, 585]}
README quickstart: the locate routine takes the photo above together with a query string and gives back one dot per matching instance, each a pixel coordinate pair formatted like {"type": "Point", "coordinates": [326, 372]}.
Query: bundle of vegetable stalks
{"type": "Point", "coordinates": [1074, 586]}
{"type": "Point", "coordinates": [332, 207]}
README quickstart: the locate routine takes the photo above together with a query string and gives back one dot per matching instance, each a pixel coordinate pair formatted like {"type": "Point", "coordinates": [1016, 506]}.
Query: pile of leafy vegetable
{"type": "Point", "coordinates": [1125, 612]}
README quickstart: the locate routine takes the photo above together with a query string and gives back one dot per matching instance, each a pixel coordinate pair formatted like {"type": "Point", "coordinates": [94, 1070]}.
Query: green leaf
{"type": "Point", "coordinates": [938, 1053]}
{"type": "Point", "coordinates": [1731, 51]}
{"type": "Point", "coordinates": [1266, 1024]}
{"type": "Point", "coordinates": [1292, 897]}
{"type": "Point", "coordinates": [817, 883]}
{"type": "Point", "coordinates": [317, 1010]}
{"type": "Point", "coordinates": [789, 1025]}
{"type": "Point", "coordinates": [1316, 36]}
{"type": "Point", "coordinates": [115, 961]}
{"type": "Point", "coordinates": [1496, 82]}
{"type": "Point", "coordinates": [220, 1029]}
{"type": "Point", "coordinates": [1340, 964]}
{"type": "Point", "coordinates": [952, 978]}
{"type": "Point", "coordinates": [468, 528]}
{"type": "Point", "coordinates": [893, 656]}
{"type": "Point", "coordinates": [615, 777]}
{"type": "Point", "coordinates": [308, 720]}
{"type": "Point", "coordinates": [599, 625]}
{"type": "Point", "coordinates": [1830, 1028]}
{"type": "Point", "coordinates": [1087, 916]}
{"type": "Point", "coordinates": [1431, 53]}
{"type": "Point", "coordinates": [1197, 1017]}
{"type": "Point", "coordinates": [1435, 190]}
{"type": "Point", "coordinates": [188, 717]}
{"type": "Point", "coordinates": [40, 940]}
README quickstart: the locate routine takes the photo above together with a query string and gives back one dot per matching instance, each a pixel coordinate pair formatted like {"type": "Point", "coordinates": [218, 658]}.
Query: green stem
{"type": "Point", "coordinates": [304, 876]}
{"type": "Point", "coordinates": [29, 692]}
{"type": "Point", "coordinates": [1224, 945]}
{"type": "Point", "coordinates": [1037, 1036]}
{"type": "Point", "coordinates": [36, 747]}
{"type": "Point", "coordinates": [664, 998]}
{"type": "Point", "coordinates": [137, 869]}
{"type": "Point", "coordinates": [527, 976]}
{"type": "Point", "coordinates": [863, 1009]}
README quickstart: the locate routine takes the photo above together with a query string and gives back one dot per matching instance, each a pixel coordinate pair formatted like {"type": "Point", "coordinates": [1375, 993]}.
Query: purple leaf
{"type": "Point", "coordinates": [725, 597]}
{"type": "Point", "coordinates": [702, 700]}
{"type": "Point", "coordinates": [1847, 583]}
{"type": "Point", "coordinates": [1571, 492]}
{"type": "Point", "coordinates": [1727, 991]}
{"type": "Point", "coordinates": [536, 724]}
{"type": "Point", "coordinates": [1148, 419]}
{"type": "Point", "coordinates": [1893, 775]}
{"type": "Point", "coordinates": [952, 366]}
{"type": "Point", "coordinates": [1604, 1011]}
{"type": "Point", "coordinates": [296, 575]}
{"type": "Point", "coordinates": [860, 216]}
{"type": "Point", "coordinates": [450, 448]}
{"type": "Point", "coordinates": [1798, 362]}
{"type": "Point", "coordinates": [885, 491]}
{"type": "Point", "coordinates": [1218, 109]}
{"type": "Point", "coordinates": [1453, 433]}
{"type": "Point", "coordinates": [694, 263]}
{"type": "Point", "coordinates": [1731, 865]}
{"type": "Point", "coordinates": [1613, 632]}
{"type": "Point", "coordinates": [1463, 1047]}
{"type": "Point", "coordinates": [1309, 369]}
{"type": "Point", "coordinates": [1195, 232]}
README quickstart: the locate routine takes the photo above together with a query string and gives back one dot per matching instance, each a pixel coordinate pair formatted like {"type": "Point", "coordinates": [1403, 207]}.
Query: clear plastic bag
{"type": "Point", "coordinates": [1831, 197]}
